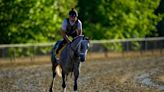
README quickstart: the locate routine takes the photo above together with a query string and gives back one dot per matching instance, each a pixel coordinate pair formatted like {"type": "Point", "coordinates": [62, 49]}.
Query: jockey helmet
{"type": "Point", "coordinates": [73, 13]}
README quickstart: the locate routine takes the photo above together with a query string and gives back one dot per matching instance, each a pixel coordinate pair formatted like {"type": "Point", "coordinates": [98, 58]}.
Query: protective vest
{"type": "Point", "coordinates": [70, 29]}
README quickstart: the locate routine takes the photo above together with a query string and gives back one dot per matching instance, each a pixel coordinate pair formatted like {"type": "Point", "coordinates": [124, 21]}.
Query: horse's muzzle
{"type": "Point", "coordinates": [82, 57]}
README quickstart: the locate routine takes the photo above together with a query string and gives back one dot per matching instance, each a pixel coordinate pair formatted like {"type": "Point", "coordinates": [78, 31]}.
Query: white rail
{"type": "Point", "coordinates": [127, 40]}
{"type": "Point", "coordinates": [25, 45]}
{"type": "Point", "coordinates": [13, 51]}
{"type": "Point", "coordinates": [92, 42]}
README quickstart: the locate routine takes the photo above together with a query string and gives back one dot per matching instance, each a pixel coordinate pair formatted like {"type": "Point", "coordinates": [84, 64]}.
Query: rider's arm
{"type": "Point", "coordinates": [65, 36]}
{"type": "Point", "coordinates": [79, 29]}
{"type": "Point", "coordinates": [79, 32]}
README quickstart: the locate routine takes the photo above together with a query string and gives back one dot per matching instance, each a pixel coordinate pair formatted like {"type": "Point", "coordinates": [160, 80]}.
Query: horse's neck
{"type": "Point", "coordinates": [76, 42]}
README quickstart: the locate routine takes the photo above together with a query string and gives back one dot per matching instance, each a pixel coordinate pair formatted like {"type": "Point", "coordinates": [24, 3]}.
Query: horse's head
{"type": "Point", "coordinates": [80, 46]}
{"type": "Point", "coordinates": [84, 48]}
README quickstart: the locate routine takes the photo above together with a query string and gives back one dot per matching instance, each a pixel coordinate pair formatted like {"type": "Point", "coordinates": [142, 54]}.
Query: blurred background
{"type": "Point", "coordinates": [31, 27]}
{"type": "Point", "coordinates": [126, 52]}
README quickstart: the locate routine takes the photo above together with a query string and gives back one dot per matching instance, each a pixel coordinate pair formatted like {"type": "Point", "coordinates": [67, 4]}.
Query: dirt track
{"type": "Point", "coordinates": [113, 75]}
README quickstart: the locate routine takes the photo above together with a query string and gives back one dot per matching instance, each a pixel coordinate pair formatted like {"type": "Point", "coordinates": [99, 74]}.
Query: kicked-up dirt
{"type": "Point", "coordinates": [134, 74]}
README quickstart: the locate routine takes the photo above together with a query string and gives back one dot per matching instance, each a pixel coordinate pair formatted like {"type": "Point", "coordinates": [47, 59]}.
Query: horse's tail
{"type": "Point", "coordinates": [59, 70]}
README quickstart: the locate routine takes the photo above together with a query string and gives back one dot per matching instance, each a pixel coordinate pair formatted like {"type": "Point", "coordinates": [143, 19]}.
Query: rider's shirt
{"type": "Point", "coordinates": [70, 27]}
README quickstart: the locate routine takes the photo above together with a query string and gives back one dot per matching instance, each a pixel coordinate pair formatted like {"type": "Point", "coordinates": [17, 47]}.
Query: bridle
{"type": "Point", "coordinates": [75, 50]}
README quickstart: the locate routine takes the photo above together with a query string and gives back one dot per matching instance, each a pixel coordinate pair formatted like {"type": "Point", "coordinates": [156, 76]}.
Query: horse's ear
{"type": "Point", "coordinates": [86, 38]}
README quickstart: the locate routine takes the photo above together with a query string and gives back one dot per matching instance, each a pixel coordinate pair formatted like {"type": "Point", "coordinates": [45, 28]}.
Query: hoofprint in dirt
{"type": "Point", "coordinates": [110, 75]}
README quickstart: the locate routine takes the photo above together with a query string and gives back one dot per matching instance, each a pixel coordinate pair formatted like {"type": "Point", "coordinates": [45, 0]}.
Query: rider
{"type": "Point", "coordinates": [71, 26]}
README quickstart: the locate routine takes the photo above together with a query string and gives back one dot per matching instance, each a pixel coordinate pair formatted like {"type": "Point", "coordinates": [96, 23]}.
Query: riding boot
{"type": "Point", "coordinates": [53, 58]}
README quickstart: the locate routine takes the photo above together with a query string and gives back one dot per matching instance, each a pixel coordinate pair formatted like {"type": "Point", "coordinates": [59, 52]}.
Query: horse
{"type": "Point", "coordinates": [73, 54]}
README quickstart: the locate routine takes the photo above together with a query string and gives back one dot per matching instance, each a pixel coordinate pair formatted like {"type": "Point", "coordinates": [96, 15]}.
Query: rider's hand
{"type": "Point", "coordinates": [68, 41]}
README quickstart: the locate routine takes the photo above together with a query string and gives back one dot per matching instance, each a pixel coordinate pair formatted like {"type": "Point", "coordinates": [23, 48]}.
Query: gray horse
{"type": "Point", "coordinates": [74, 53]}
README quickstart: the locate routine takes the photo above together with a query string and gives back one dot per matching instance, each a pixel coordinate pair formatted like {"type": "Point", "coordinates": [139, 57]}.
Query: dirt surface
{"type": "Point", "coordinates": [108, 75]}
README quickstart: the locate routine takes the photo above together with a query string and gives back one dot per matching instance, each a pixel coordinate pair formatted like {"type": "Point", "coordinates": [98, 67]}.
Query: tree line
{"type": "Point", "coordinates": [33, 21]}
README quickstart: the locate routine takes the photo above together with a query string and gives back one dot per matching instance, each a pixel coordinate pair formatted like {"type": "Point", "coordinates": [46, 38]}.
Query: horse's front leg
{"type": "Point", "coordinates": [76, 75]}
{"type": "Point", "coordinates": [64, 80]}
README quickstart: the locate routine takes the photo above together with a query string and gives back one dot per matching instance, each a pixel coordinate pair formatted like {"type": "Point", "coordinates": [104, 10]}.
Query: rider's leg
{"type": "Point", "coordinates": [53, 51]}
{"type": "Point", "coordinates": [60, 46]}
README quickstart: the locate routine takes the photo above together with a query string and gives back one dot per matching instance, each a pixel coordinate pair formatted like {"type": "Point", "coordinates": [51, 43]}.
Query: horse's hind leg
{"type": "Point", "coordinates": [51, 86]}
{"type": "Point", "coordinates": [63, 84]}
{"type": "Point", "coordinates": [54, 74]}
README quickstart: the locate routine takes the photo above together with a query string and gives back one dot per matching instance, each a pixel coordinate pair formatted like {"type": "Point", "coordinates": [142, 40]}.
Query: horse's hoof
{"type": "Point", "coordinates": [65, 90]}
